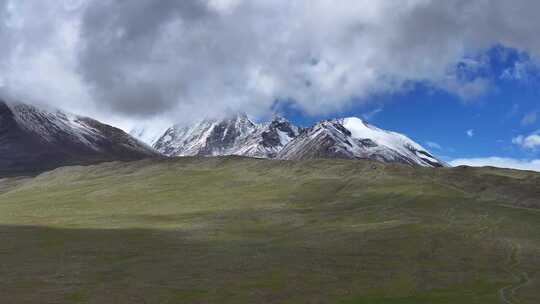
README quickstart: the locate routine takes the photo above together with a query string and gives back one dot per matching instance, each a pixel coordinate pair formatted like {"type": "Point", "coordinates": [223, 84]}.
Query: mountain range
{"type": "Point", "coordinates": [348, 138]}
{"type": "Point", "coordinates": [36, 139]}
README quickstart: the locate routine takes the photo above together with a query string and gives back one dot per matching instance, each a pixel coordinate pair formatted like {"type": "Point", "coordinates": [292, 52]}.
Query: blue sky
{"type": "Point", "coordinates": [457, 127]}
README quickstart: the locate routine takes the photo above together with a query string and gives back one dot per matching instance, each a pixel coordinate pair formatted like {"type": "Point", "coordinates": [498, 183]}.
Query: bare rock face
{"type": "Point", "coordinates": [35, 139]}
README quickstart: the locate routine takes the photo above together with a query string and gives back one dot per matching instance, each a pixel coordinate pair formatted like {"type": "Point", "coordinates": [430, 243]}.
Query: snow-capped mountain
{"type": "Point", "coordinates": [350, 138]}
{"type": "Point", "coordinates": [33, 138]}
{"type": "Point", "coordinates": [355, 139]}
{"type": "Point", "coordinates": [209, 137]}
{"type": "Point", "coordinates": [234, 135]}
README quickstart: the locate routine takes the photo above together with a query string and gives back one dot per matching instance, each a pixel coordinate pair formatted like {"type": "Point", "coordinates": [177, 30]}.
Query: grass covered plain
{"type": "Point", "coordinates": [238, 230]}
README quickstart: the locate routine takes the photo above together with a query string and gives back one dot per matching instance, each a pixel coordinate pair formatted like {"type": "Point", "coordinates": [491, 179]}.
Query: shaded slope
{"type": "Point", "coordinates": [33, 139]}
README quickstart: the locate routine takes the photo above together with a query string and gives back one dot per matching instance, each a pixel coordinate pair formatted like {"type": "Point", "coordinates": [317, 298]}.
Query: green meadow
{"type": "Point", "coordinates": [239, 230]}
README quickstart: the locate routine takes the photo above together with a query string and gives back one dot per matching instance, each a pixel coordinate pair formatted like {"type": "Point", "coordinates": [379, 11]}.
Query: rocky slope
{"type": "Point", "coordinates": [34, 139]}
{"type": "Point", "coordinates": [234, 135]}
{"type": "Point", "coordinates": [352, 138]}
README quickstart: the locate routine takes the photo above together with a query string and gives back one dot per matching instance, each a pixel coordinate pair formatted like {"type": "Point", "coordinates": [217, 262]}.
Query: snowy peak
{"type": "Point", "coordinates": [391, 140]}
{"type": "Point", "coordinates": [208, 137]}
{"type": "Point", "coordinates": [327, 139]}
{"type": "Point", "coordinates": [355, 139]}
{"type": "Point", "coordinates": [227, 134]}
{"type": "Point", "coordinates": [233, 135]}
{"type": "Point", "coordinates": [283, 129]}
{"type": "Point", "coordinates": [278, 133]}
{"type": "Point", "coordinates": [34, 138]}
{"type": "Point", "coordinates": [268, 139]}
{"type": "Point", "coordinates": [147, 135]}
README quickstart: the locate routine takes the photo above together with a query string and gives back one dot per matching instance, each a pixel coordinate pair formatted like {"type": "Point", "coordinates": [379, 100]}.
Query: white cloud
{"type": "Point", "coordinates": [369, 115]}
{"type": "Point", "coordinates": [180, 60]}
{"type": "Point", "coordinates": [500, 162]}
{"type": "Point", "coordinates": [528, 142]}
{"type": "Point", "coordinates": [470, 133]}
{"type": "Point", "coordinates": [433, 145]}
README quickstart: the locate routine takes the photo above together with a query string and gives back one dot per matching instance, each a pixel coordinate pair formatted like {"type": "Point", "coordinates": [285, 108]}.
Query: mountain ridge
{"type": "Point", "coordinates": [34, 139]}
{"type": "Point", "coordinates": [354, 138]}
{"type": "Point", "coordinates": [233, 135]}
{"type": "Point", "coordinates": [349, 138]}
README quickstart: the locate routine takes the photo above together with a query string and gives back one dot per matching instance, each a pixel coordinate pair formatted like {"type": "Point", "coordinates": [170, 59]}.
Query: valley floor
{"type": "Point", "coordinates": [237, 230]}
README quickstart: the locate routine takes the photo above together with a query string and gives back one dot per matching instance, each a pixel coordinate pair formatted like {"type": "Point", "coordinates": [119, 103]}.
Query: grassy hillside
{"type": "Point", "coordinates": [235, 230]}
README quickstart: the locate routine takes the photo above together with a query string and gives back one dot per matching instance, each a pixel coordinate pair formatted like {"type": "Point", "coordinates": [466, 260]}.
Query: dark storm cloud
{"type": "Point", "coordinates": [119, 56]}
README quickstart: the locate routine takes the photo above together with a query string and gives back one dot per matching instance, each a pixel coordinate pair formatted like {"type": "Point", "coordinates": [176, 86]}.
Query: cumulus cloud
{"type": "Point", "coordinates": [470, 133]}
{"type": "Point", "coordinates": [184, 59]}
{"type": "Point", "coordinates": [500, 162]}
{"type": "Point", "coordinates": [531, 141]}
